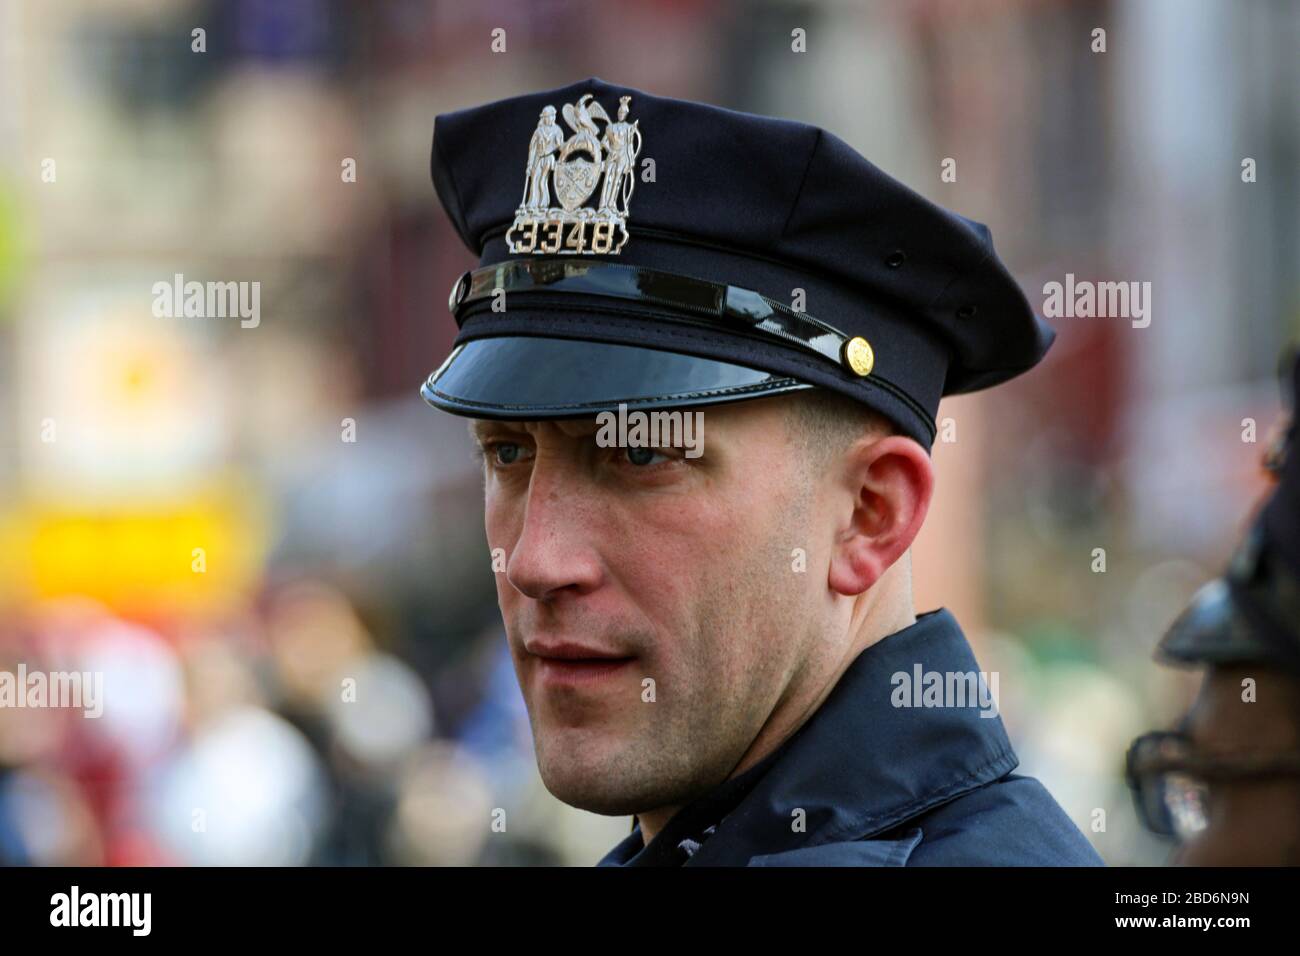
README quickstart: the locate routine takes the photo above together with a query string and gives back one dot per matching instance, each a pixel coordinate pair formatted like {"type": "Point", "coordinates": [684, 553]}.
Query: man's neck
{"type": "Point", "coordinates": [652, 821]}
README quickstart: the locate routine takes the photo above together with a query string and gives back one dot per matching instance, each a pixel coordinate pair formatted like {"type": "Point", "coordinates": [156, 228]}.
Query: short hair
{"type": "Point", "coordinates": [824, 423]}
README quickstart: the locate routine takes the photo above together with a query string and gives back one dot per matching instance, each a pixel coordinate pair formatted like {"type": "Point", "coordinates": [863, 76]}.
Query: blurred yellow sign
{"type": "Point", "coordinates": [194, 553]}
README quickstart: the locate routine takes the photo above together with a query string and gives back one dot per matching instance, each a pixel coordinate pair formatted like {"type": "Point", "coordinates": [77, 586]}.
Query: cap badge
{"type": "Point", "coordinates": [575, 167]}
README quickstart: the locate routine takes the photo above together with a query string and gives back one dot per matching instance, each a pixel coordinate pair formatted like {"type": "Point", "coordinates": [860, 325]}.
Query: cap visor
{"type": "Point", "coordinates": [528, 377]}
{"type": "Point", "coordinates": [1211, 630]}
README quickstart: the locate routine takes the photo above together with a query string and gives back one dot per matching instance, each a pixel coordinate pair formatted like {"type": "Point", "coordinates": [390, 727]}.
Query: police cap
{"type": "Point", "coordinates": [656, 252]}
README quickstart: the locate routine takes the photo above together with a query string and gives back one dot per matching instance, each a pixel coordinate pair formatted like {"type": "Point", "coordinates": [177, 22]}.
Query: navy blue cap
{"type": "Point", "coordinates": [648, 250]}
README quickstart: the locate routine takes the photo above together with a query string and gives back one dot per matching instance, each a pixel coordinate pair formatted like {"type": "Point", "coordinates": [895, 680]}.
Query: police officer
{"type": "Point", "coordinates": [1224, 784]}
{"type": "Point", "coordinates": [703, 376]}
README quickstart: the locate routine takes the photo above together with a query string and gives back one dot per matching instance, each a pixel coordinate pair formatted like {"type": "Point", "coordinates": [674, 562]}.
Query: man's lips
{"type": "Point", "coordinates": [572, 664]}
{"type": "Point", "coordinates": [572, 651]}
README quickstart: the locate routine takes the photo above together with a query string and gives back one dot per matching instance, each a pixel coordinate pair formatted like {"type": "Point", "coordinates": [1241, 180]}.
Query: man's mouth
{"type": "Point", "coordinates": [573, 664]}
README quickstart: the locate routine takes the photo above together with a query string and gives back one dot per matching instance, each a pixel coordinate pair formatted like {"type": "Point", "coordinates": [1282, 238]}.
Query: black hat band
{"type": "Point", "coordinates": [729, 306]}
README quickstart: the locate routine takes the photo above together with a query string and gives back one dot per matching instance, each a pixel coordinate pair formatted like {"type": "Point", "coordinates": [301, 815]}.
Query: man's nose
{"type": "Point", "coordinates": [554, 553]}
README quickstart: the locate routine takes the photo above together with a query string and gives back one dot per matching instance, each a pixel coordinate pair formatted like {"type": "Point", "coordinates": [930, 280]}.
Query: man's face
{"type": "Point", "coordinates": [680, 568]}
{"type": "Point", "coordinates": [1252, 822]}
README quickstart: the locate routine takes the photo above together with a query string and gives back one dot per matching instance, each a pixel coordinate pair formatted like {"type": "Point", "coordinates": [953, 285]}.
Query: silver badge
{"type": "Point", "coordinates": [587, 163]}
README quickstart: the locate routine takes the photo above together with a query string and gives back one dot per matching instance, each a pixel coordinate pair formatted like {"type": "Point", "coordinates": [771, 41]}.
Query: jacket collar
{"type": "Point", "coordinates": [861, 765]}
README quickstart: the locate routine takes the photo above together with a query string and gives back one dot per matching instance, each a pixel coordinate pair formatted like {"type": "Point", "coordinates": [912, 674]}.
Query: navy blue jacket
{"type": "Point", "coordinates": [865, 782]}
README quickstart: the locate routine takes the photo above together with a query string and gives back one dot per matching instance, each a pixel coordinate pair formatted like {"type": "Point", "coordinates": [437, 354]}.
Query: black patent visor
{"type": "Point", "coordinates": [727, 306]}
{"type": "Point", "coordinates": [538, 378]}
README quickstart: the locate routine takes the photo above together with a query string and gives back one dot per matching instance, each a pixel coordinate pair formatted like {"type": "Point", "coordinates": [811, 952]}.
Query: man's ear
{"type": "Point", "coordinates": [887, 484]}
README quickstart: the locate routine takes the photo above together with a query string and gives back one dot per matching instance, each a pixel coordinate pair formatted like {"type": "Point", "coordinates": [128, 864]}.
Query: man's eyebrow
{"type": "Point", "coordinates": [482, 428]}
{"type": "Point", "coordinates": [579, 427]}
{"type": "Point", "coordinates": [479, 427]}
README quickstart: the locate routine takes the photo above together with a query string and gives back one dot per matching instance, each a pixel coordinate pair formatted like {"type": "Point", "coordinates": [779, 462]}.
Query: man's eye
{"type": "Point", "coordinates": [642, 457]}
{"type": "Point", "coordinates": [506, 453]}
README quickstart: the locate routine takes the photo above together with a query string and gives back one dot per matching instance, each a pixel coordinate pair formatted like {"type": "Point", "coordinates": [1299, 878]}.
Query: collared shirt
{"type": "Point", "coordinates": [878, 778]}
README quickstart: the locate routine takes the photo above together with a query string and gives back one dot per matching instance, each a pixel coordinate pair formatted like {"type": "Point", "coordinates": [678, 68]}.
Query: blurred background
{"type": "Point", "coordinates": [338, 520]}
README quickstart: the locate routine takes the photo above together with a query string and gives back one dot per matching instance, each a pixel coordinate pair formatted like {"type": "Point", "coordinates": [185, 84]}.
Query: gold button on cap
{"type": "Point", "coordinates": [858, 356]}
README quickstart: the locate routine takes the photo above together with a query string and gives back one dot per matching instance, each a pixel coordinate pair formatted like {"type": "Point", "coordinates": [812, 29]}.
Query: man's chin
{"type": "Point", "coordinates": [598, 806]}
{"type": "Point", "coordinates": [580, 794]}
{"type": "Point", "coordinates": [587, 777]}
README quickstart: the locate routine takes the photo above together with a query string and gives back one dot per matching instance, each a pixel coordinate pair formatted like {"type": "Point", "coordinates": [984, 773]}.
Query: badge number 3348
{"type": "Point", "coordinates": [557, 236]}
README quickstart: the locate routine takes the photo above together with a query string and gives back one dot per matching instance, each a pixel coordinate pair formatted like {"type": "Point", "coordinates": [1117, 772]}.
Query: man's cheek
{"type": "Point", "coordinates": [676, 558]}
{"type": "Point", "coordinates": [500, 544]}
{"type": "Point", "coordinates": [501, 529]}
